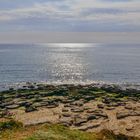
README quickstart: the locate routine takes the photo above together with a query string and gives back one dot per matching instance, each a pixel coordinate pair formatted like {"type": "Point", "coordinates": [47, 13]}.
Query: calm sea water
{"type": "Point", "coordinates": [69, 63]}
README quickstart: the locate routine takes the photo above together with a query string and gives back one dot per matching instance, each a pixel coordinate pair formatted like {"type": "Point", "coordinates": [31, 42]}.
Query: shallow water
{"type": "Point", "coordinates": [69, 63]}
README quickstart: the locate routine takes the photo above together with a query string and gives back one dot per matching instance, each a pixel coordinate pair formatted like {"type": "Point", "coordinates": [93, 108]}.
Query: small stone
{"type": "Point", "coordinates": [77, 110]}
{"type": "Point", "coordinates": [30, 109]}
{"type": "Point", "coordinates": [91, 117]}
{"type": "Point", "coordinates": [66, 114]}
{"type": "Point", "coordinates": [52, 106]}
{"type": "Point", "coordinates": [65, 110]}
{"type": "Point", "coordinates": [12, 107]}
{"type": "Point", "coordinates": [91, 111]}
{"type": "Point", "coordinates": [100, 106]}
{"type": "Point", "coordinates": [89, 126]}
{"type": "Point", "coordinates": [110, 108]}
{"type": "Point", "coordinates": [66, 121]}
{"type": "Point", "coordinates": [129, 128]}
{"type": "Point", "coordinates": [128, 106]}
{"type": "Point", "coordinates": [80, 121]}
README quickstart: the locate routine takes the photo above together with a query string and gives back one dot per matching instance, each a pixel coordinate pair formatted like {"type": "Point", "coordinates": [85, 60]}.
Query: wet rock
{"type": "Point", "coordinates": [31, 86]}
{"type": "Point", "coordinates": [59, 92]}
{"type": "Point", "coordinates": [111, 88]}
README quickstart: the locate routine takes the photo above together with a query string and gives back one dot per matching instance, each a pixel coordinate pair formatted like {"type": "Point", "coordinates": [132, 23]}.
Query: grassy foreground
{"type": "Point", "coordinates": [11, 130]}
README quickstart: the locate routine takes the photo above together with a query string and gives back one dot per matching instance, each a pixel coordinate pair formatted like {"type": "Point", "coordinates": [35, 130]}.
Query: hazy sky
{"type": "Point", "coordinates": [69, 15]}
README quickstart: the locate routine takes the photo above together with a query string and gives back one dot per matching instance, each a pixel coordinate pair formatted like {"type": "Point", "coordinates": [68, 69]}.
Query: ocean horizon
{"type": "Point", "coordinates": [69, 63]}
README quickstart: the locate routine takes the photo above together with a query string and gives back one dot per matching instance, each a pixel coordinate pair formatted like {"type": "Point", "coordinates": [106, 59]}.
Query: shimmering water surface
{"type": "Point", "coordinates": [69, 63]}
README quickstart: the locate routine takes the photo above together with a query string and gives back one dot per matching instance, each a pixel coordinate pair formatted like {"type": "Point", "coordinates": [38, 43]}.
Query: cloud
{"type": "Point", "coordinates": [121, 12]}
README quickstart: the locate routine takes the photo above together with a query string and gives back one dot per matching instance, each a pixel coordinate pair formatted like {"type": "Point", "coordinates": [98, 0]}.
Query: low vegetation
{"type": "Point", "coordinates": [12, 130]}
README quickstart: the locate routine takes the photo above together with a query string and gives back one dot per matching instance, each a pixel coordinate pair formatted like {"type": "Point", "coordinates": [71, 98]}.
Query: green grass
{"type": "Point", "coordinates": [57, 132]}
{"type": "Point", "coordinates": [12, 130]}
{"type": "Point", "coordinates": [11, 124]}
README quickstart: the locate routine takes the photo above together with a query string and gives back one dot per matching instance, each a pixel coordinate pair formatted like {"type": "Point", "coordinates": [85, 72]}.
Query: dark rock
{"type": "Point", "coordinates": [100, 106]}
{"type": "Point", "coordinates": [123, 114]}
{"type": "Point", "coordinates": [52, 105]}
{"type": "Point", "coordinates": [31, 87]}
{"type": "Point", "coordinates": [111, 88]}
{"type": "Point", "coordinates": [65, 110]}
{"type": "Point", "coordinates": [77, 103]}
{"type": "Point", "coordinates": [77, 110]}
{"type": "Point", "coordinates": [65, 101]}
{"type": "Point", "coordinates": [90, 110]}
{"type": "Point", "coordinates": [106, 100]}
{"type": "Point", "coordinates": [30, 109]}
{"type": "Point", "coordinates": [91, 117]}
{"type": "Point", "coordinates": [89, 98]}
{"type": "Point", "coordinates": [66, 121]}
{"type": "Point", "coordinates": [66, 114]}
{"type": "Point", "coordinates": [89, 126]}
{"type": "Point", "coordinates": [67, 105]}
{"type": "Point", "coordinates": [100, 113]}
{"type": "Point", "coordinates": [8, 103]}
{"type": "Point", "coordinates": [110, 108]}
{"type": "Point", "coordinates": [24, 103]}
{"type": "Point", "coordinates": [80, 121]}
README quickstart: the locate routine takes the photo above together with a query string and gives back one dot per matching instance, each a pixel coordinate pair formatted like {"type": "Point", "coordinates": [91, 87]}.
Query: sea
{"type": "Point", "coordinates": [69, 63]}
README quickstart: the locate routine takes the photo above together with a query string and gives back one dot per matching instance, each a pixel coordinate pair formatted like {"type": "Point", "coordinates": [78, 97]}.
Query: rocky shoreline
{"type": "Point", "coordinates": [92, 107]}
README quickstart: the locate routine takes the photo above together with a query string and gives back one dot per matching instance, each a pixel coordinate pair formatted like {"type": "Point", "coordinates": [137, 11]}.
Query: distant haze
{"type": "Point", "coordinates": [69, 37]}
